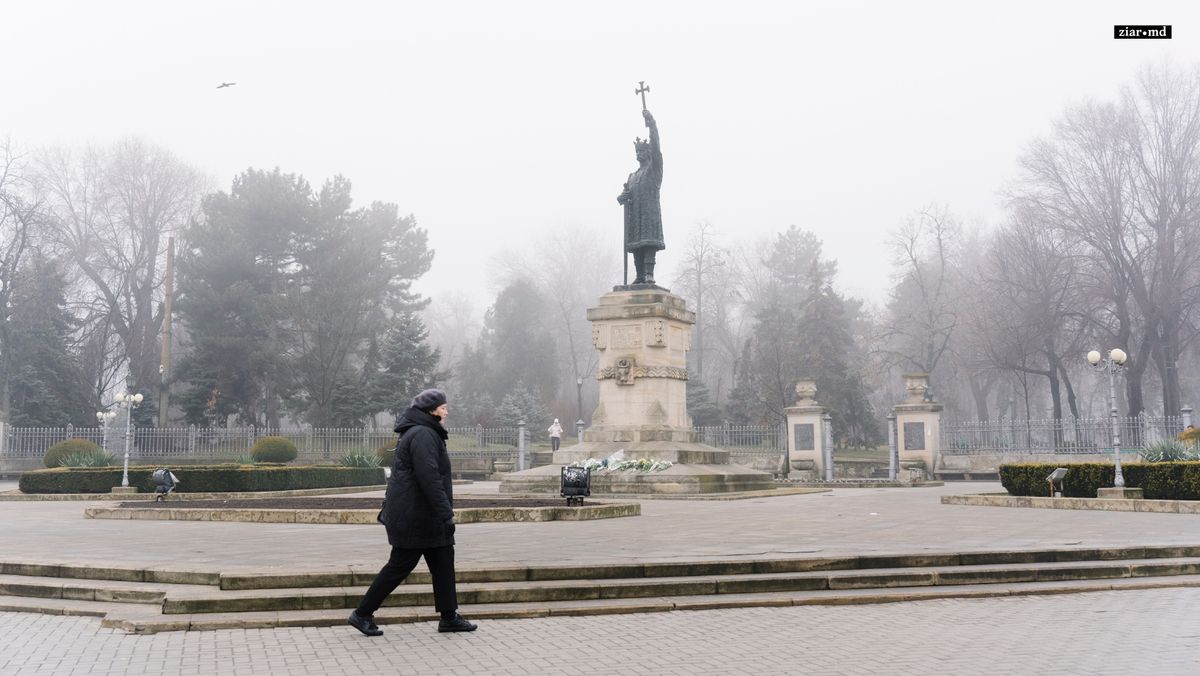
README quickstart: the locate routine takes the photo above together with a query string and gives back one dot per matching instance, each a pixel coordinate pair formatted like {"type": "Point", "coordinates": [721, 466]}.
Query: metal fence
{"type": "Point", "coordinates": [324, 445]}
{"type": "Point", "coordinates": [1062, 436]}
{"type": "Point", "coordinates": [745, 440]}
{"type": "Point", "coordinates": [226, 444]}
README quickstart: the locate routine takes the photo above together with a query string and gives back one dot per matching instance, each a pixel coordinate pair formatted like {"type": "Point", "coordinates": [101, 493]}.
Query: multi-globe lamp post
{"type": "Point", "coordinates": [128, 401]}
{"type": "Point", "coordinates": [1113, 364]}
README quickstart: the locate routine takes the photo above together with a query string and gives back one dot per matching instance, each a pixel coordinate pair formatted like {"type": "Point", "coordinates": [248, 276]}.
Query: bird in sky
{"type": "Point", "coordinates": [225, 84]}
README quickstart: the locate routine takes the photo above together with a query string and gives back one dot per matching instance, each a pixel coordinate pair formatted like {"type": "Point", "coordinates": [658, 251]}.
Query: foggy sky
{"type": "Point", "coordinates": [497, 121]}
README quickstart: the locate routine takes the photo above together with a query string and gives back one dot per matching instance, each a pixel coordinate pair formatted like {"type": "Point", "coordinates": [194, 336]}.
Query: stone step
{"type": "Point", "coordinates": [132, 620]}
{"type": "Point", "coordinates": [109, 591]}
{"type": "Point", "coordinates": [46, 606]}
{"type": "Point", "coordinates": [81, 571]}
{"type": "Point", "coordinates": [353, 576]}
{"type": "Point", "coordinates": [541, 591]}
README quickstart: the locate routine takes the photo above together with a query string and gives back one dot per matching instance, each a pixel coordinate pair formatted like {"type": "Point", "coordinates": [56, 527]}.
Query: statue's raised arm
{"type": "Point", "coordinates": [656, 158]}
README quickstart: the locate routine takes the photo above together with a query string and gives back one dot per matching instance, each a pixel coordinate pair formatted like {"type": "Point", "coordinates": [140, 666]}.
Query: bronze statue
{"type": "Point", "coordinates": [640, 197]}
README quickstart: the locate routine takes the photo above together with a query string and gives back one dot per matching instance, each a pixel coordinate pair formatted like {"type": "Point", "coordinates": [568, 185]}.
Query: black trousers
{"type": "Point", "coordinates": [554, 441]}
{"type": "Point", "coordinates": [440, 561]}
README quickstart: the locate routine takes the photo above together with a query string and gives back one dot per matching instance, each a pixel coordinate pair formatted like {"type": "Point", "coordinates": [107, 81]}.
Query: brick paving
{"type": "Point", "coordinates": [1142, 632]}
{"type": "Point", "coordinates": [1130, 632]}
{"type": "Point", "coordinates": [844, 521]}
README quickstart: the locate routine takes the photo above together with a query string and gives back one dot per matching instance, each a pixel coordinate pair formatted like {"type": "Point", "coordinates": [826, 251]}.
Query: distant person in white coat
{"type": "Point", "coordinates": [555, 431]}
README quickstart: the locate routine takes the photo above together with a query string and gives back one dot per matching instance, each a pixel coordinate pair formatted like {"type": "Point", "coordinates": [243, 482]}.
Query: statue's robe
{"type": "Point", "coordinates": [643, 210]}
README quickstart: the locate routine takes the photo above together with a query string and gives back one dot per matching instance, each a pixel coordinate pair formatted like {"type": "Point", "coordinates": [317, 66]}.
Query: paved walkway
{"type": "Point", "coordinates": [844, 521]}
{"type": "Point", "coordinates": [1148, 632]}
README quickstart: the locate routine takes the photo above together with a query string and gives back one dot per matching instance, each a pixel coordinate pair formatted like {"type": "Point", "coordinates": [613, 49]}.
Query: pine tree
{"type": "Point", "coordinates": [48, 387]}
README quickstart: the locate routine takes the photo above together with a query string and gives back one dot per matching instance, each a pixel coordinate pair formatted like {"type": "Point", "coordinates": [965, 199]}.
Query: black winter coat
{"type": "Point", "coordinates": [418, 508]}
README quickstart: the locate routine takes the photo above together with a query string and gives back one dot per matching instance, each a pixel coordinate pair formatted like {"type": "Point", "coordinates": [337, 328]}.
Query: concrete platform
{"type": "Point", "coordinates": [675, 480]}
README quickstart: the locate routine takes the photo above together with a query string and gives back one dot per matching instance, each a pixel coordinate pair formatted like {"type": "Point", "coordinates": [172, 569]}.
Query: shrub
{"type": "Point", "coordinates": [1190, 436]}
{"type": "Point", "coordinates": [1168, 450]}
{"type": "Point", "coordinates": [201, 478]}
{"type": "Point", "coordinates": [386, 455]}
{"type": "Point", "coordinates": [100, 459]}
{"type": "Point", "coordinates": [1159, 480]}
{"type": "Point", "coordinates": [360, 460]}
{"type": "Point", "coordinates": [273, 449]}
{"type": "Point", "coordinates": [56, 453]}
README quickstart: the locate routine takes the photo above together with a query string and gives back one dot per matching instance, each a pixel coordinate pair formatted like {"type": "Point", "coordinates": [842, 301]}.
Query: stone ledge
{"type": "Point", "coordinates": [366, 517]}
{"type": "Point", "coordinates": [17, 496]}
{"type": "Point", "coordinates": [1103, 504]}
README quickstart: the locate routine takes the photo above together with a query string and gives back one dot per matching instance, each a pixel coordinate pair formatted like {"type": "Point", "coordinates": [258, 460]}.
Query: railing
{"type": "Point", "coordinates": [233, 444]}
{"type": "Point", "coordinates": [324, 445]}
{"type": "Point", "coordinates": [746, 440]}
{"type": "Point", "coordinates": [1062, 436]}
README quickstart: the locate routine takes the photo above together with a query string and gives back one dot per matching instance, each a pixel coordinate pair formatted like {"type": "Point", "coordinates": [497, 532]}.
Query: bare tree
{"type": "Point", "coordinates": [923, 313]}
{"type": "Point", "coordinates": [19, 217]}
{"type": "Point", "coordinates": [112, 209]}
{"type": "Point", "coordinates": [564, 267]}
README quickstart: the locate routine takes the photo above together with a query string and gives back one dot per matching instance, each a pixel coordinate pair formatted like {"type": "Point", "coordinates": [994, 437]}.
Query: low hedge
{"type": "Point", "coordinates": [201, 478]}
{"type": "Point", "coordinates": [1158, 480]}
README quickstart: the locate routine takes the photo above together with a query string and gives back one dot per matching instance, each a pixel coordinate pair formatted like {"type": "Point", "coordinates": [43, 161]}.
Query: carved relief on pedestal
{"type": "Point", "coordinates": [656, 414]}
{"type": "Point", "coordinates": [657, 333]}
{"type": "Point", "coordinates": [598, 337]}
{"type": "Point", "coordinates": [626, 369]}
{"type": "Point", "coordinates": [626, 336]}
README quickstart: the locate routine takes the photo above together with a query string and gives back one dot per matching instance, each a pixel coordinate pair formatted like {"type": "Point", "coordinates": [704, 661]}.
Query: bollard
{"type": "Point", "coordinates": [893, 451]}
{"type": "Point", "coordinates": [521, 446]}
{"type": "Point", "coordinates": [827, 446]}
{"type": "Point", "coordinates": [578, 432]}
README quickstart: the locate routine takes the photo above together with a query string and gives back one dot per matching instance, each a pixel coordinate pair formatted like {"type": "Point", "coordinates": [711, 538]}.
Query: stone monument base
{"type": "Point", "coordinates": [698, 469]}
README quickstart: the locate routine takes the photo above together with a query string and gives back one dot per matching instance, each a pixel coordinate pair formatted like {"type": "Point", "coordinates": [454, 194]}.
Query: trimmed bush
{"type": "Point", "coordinates": [201, 478]}
{"type": "Point", "coordinates": [273, 449]}
{"type": "Point", "coordinates": [56, 453]}
{"type": "Point", "coordinates": [1158, 480]}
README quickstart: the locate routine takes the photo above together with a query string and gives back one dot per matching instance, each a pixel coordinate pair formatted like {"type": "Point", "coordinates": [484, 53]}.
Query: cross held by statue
{"type": "Point", "coordinates": [642, 89]}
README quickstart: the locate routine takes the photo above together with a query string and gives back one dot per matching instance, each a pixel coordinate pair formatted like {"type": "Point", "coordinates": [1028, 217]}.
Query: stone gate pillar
{"type": "Point", "coordinates": [918, 425]}
{"type": "Point", "coordinates": [805, 435]}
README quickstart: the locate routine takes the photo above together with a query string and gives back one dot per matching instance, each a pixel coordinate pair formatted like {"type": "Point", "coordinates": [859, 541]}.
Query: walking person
{"type": "Point", "coordinates": [555, 431]}
{"type": "Point", "coordinates": [419, 516]}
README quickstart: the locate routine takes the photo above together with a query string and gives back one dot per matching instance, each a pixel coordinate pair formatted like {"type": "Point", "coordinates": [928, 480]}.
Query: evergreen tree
{"type": "Point", "coordinates": [48, 385]}
{"type": "Point", "coordinates": [524, 404]}
{"type": "Point", "coordinates": [408, 364]}
{"type": "Point", "coordinates": [700, 405]}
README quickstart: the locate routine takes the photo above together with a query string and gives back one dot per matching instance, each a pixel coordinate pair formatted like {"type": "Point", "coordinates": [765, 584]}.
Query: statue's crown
{"type": "Point", "coordinates": [638, 143]}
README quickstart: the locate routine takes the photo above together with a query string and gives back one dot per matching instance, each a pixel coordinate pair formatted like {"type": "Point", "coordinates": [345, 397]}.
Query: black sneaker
{"type": "Point", "coordinates": [459, 623]}
{"type": "Point", "coordinates": [364, 624]}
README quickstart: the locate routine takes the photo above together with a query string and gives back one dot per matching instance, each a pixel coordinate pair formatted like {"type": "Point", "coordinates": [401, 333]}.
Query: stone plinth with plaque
{"type": "Point", "coordinates": [642, 336]}
{"type": "Point", "coordinates": [918, 425]}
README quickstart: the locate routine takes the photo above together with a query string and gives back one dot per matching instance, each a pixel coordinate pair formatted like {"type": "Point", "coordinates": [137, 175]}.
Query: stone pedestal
{"type": "Point", "coordinates": [642, 336]}
{"type": "Point", "coordinates": [805, 431]}
{"type": "Point", "coordinates": [124, 490]}
{"type": "Point", "coordinates": [1120, 493]}
{"type": "Point", "coordinates": [918, 424]}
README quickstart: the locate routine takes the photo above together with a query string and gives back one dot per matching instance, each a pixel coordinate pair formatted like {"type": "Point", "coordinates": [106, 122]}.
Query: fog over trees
{"type": "Point", "coordinates": [292, 303]}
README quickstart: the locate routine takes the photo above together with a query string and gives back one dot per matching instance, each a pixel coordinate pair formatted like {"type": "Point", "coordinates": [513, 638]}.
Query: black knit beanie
{"type": "Point", "coordinates": [428, 400]}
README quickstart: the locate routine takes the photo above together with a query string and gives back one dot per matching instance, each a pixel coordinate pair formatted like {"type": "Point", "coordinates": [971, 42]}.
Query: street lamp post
{"type": "Point", "coordinates": [128, 401]}
{"type": "Point", "coordinates": [579, 396]}
{"type": "Point", "coordinates": [1114, 364]}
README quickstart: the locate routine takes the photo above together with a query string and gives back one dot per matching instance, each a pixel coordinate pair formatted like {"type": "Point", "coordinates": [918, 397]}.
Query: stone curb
{"type": "Point", "coordinates": [149, 624]}
{"type": "Point", "coordinates": [1104, 504]}
{"type": "Point", "coordinates": [738, 495]}
{"type": "Point", "coordinates": [17, 496]}
{"type": "Point", "coordinates": [864, 483]}
{"type": "Point", "coordinates": [365, 517]}
{"type": "Point", "coordinates": [697, 585]}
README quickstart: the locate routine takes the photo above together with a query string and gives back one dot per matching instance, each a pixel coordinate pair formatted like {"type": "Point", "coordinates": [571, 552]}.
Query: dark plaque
{"type": "Point", "coordinates": [804, 437]}
{"type": "Point", "coordinates": [914, 436]}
